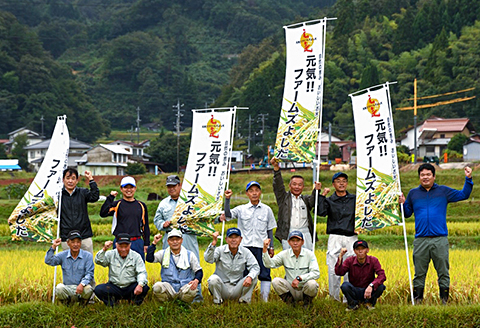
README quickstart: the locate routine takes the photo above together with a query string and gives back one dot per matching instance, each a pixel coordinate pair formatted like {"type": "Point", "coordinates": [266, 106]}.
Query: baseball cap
{"type": "Point", "coordinates": [74, 234]}
{"type": "Point", "coordinates": [360, 243]}
{"type": "Point", "coordinates": [175, 233]}
{"type": "Point", "coordinates": [173, 180]}
{"type": "Point", "coordinates": [128, 181]}
{"type": "Point", "coordinates": [295, 234]}
{"type": "Point", "coordinates": [338, 175]}
{"type": "Point", "coordinates": [234, 231]}
{"type": "Point", "coordinates": [252, 183]}
{"type": "Point", "coordinates": [123, 238]}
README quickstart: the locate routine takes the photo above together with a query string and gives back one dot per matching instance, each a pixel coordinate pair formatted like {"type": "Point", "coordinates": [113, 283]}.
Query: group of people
{"type": "Point", "coordinates": [248, 254]}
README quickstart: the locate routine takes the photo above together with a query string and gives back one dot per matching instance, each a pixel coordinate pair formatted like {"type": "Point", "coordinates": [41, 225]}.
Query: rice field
{"type": "Point", "coordinates": [25, 277]}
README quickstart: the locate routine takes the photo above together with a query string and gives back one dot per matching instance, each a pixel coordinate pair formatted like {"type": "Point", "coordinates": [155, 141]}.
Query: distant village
{"type": "Point", "coordinates": [433, 136]}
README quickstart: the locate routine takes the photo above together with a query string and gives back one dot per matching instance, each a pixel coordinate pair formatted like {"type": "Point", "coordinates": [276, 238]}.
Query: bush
{"type": "Point", "coordinates": [16, 190]}
{"type": "Point", "coordinates": [135, 169]}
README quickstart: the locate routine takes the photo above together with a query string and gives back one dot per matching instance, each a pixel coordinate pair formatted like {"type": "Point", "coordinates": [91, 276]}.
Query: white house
{"type": "Point", "coordinates": [32, 138]}
{"type": "Point", "coordinates": [105, 160]}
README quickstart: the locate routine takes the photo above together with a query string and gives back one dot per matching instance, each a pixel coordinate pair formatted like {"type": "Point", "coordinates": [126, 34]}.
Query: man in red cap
{"type": "Point", "coordinates": [363, 286]}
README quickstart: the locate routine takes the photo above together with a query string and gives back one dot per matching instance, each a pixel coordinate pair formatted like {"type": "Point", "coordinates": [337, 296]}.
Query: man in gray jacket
{"type": "Point", "coordinates": [228, 281]}
{"type": "Point", "coordinates": [293, 207]}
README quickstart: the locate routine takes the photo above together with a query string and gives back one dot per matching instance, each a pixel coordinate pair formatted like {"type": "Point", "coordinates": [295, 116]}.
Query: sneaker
{"type": "Point", "coordinates": [370, 307]}
{"type": "Point", "coordinates": [352, 308]}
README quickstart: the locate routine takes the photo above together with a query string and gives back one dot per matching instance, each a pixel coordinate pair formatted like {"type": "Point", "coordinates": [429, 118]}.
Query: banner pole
{"type": "Point", "coordinates": [319, 138]}
{"type": "Point", "coordinates": [58, 235]}
{"type": "Point", "coordinates": [406, 253]}
{"type": "Point", "coordinates": [230, 148]}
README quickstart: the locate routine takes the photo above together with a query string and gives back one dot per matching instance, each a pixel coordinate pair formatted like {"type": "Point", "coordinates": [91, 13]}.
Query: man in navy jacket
{"type": "Point", "coordinates": [429, 203]}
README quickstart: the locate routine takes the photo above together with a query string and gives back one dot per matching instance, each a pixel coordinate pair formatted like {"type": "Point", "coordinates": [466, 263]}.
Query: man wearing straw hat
{"type": "Point", "coordinates": [181, 271]}
{"type": "Point", "coordinates": [162, 221]}
{"type": "Point", "coordinates": [293, 207]}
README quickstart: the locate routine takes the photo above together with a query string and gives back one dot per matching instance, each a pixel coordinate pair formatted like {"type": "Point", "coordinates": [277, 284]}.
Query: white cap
{"type": "Point", "coordinates": [127, 181]}
{"type": "Point", "coordinates": [175, 233]}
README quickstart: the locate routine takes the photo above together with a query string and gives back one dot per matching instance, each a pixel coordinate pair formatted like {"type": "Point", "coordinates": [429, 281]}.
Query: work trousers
{"type": "Point", "coordinates": [109, 293]}
{"type": "Point", "coordinates": [435, 249]}
{"type": "Point", "coordinates": [335, 245]}
{"type": "Point", "coordinates": [282, 286]}
{"type": "Point", "coordinates": [356, 295]}
{"type": "Point", "coordinates": [227, 291]}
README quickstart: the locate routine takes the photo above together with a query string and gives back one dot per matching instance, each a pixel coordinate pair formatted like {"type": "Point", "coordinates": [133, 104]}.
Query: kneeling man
{"type": "Point", "coordinates": [77, 268]}
{"type": "Point", "coordinates": [362, 286]}
{"type": "Point", "coordinates": [231, 261]}
{"type": "Point", "coordinates": [301, 270]}
{"type": "Point", "coordinates": [181, 272]}
{"type": "Point", "coordinates": [127, 275]}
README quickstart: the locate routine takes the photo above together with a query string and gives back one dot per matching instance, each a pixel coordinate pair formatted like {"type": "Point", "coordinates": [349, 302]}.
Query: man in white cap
{"type": "Point", "coordinates": [301, 270]}
{"type": "Point", "coordinates": [181, 271]}
{"type": "Point", "coordinates": [129, 216]}
{"type": "Point", "coordinates": [77, 268]}
{"type": "Point", "coordinates": [162, 221]}
{"type": "Point", "coordinates": [231, 261]}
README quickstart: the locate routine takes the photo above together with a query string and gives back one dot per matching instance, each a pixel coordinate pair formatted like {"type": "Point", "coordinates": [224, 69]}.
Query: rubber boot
{"type": "Point", "coordinates": [418, 295]}
{"type": "Point", "coordinates": [287, 298]}
{"type": "Point", "coordinates": [265, 289]}
{"type": "Point", "coordinates": [307, 300]}
{"type": "Point", "coordinates": [444, 291]}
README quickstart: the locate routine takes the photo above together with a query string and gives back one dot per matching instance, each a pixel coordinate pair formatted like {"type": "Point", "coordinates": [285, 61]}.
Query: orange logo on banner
{"type": "Point", "coordinates": [213, 127]}
{"type": "Point", "coordinates": [373, 106]}
{"type": "Point", "coordinates": [306, 40]}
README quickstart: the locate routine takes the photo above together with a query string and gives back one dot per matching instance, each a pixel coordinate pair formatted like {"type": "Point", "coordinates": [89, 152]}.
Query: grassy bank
{"type": "Point", "coordinates": [324, 313]}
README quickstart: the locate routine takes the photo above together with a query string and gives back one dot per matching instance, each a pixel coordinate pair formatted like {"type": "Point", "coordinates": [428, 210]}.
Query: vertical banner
{"type": "Point", "coordinates": [303, 92]}
{"type": "Point", "coordinates": [36, 214]}
{"type": "Point", "coordinates": [378, 180]}
{"type": "Point", "coordinates": [207, 171]}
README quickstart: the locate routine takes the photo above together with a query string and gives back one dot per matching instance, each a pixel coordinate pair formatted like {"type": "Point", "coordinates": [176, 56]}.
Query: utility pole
{"type": "Point", "coordinates": [42, 119]}
{"type": "Point", "coordinates": [177, 126]}
{"type": "Point", "coordinates": [138, 125]}
{"type": "Point", "coordinates": [261, 118]}
{"type": "Point", "coordinates": [249, 131]}
{"type": "Point", "coordinates": [329, 137]}
{"type": "Point", "coordinates": [415, 107]}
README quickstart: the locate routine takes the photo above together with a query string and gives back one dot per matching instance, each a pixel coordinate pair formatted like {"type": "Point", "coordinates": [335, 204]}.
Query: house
{"type": "Point", "coordinates": [32, 138]}
{"type": "Point", "coordinates": [138, 154]}
{"type": "Point", "coordinates": [471, 149]}
{"type": "Point", "coordinates": [347, 148]}
{"type": "Point", "coordinates": [36, 152]}
{"type": "Point", "coordinates": [434, 134]}
{"type": "Point", "coordinates": [9, 165]}
{"type": "Point", "coordinates": [105, 159]}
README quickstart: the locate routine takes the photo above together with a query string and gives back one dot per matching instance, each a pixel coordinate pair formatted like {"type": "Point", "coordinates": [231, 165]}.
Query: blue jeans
{"type": "Point", "coordinates": [109, 293]}
{"type": "Point", "coordinates": [356, 295]}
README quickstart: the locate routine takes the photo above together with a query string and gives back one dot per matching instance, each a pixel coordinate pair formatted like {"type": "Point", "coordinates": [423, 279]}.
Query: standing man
{"type": "Point", "coordinates": [301, 271]}
{"type": "Point", "coordinates": [231, 261]}
{"type": "Point", "coordinates": [293, 207]}
{"type": "Point", "coordinates": [74, 212]}
{"type": "Point", "coordinates": [363, 286]}
{"type": "Point", "coordinates": [163, 217]}
{"type": "Point", "coordinates": [181, 271]}
{"type": "Point", "coordinates": [130, 216]}
{"type": "Point", "coordinates": [127, 275]}
{"type": "Point", "coordinates": [340, 211]}
{"type": "Point", "coordinates": [257, 222]}
{"type": "Point", "coordinates": [77, 269]}
{"type": "Point", "coordinates": [429, 203]}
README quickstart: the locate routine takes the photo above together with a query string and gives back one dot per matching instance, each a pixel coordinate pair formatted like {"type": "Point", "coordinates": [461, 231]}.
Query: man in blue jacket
{"type": "Point", "coordinates": [429, 203]}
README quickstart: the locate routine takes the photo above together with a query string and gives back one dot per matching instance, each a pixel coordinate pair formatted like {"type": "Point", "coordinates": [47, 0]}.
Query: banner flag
{"type": "Point", "coordinates": [378, 180]}
{"type": "Point", "coordinates": [301, 112]}
{"type": "Point", "coordinates": [208, 166]}
{"type": "Point", "coordinates": [36, 214]}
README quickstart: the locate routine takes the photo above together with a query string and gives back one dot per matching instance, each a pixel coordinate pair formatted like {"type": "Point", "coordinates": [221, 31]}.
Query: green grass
{"type": "Point", "coordinates": [323, 313]}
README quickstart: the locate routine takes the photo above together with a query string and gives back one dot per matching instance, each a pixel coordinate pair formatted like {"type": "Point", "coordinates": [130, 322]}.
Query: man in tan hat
{"type": "Point", "coordinates": [181, 271]}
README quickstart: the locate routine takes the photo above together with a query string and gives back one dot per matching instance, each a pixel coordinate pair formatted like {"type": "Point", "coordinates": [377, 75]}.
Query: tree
{"type": "Point", "coordinates": [334, 152]}
{"type": "Point", "coordinates": [135, 169]}
{"type": "Point", "coordinates": [457, 142]}
{"type": "Point", "coordinates": [164, 150]}
{"type": "Point", "coordinates": [19, 152]}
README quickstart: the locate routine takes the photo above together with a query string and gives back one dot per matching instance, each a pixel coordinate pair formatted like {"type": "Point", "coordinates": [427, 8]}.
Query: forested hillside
{"type": "Point", "coordinates": [126, 54]}
{"type": "Point", "coordinates": [98, 60]}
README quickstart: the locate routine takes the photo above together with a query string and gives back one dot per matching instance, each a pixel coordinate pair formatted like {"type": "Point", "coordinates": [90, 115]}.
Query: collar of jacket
{"type": "Point", "coordinates": [335, 197]}
{"type": "Point", "coordinates": [433, 187]}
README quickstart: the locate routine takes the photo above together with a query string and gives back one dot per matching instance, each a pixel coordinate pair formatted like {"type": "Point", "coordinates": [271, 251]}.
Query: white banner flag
{"type": "Point", "coordinates": [378, 180]}
{"type": "Point", "coordinates": [35, 216]}
{"type": "Point", "coordinates": [303, 92]}
{"type": "Point", "coordinates": [207, 171]}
